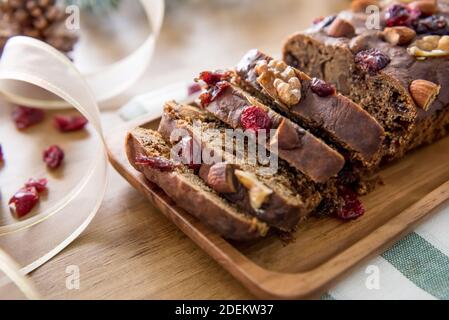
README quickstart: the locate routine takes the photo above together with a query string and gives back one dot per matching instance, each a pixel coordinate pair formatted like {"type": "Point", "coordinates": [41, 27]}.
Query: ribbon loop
{"type": "Point", "coordinates": [34, 74]}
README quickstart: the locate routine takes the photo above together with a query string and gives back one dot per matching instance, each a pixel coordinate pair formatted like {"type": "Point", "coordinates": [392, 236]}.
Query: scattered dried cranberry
{"type": "Point", "coordinates": [352, 208]}
{"type": "Point", "coordinates": [322, 88]}
{"type": "Point", "coordinates": [254, 118]}
{"type": "Point", "coordinates": [193, 88]}
{"type": "Point", "coordinates": [25, 117]}
{"type": "Point", "coordinates": [158, 163]}
{"type": "Point", "coordinates": [39, 184]}
{"type": "Point", "coordinates": [211, 78]}
{"type": "Point", "coordinates": [213, 93]}
{"type": "Point", "coordinates": [69, 123]}
{"type": "Point", "coordinates": [401, 15]}
{"type": "Point", "coordinates": [2, 159]}
{"type": "Point", "coordinates": [372, 60]}
{"type": "Point", "coordinates": [434, 25]}
{"type": "Point", "coordinates": [53, 157]}
{"type": "Point", "coordinates": [24, 201]}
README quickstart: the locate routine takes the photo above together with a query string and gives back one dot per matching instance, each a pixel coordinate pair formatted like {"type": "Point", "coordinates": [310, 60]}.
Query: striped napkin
{"type": "Point", "coordinates": [417, 267]}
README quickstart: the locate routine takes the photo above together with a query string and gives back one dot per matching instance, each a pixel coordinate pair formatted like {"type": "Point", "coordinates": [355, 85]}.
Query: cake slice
{"type": "Point", "coordinates": [314, 104]}
{"type": "Point", "coordinates": [281, 198]}
{"type": "Point", "coordinates": [149, 154]}
{"type": "Point", "coordinates": [297, 146]}
{"type": "Point", "coordinates": [397, 73]}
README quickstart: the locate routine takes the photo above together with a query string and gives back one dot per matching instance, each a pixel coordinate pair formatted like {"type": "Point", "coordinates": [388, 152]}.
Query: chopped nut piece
{"type": "Point", "coordinates": [287, 136]}
{"type": "Point", "coordinates": [266, 81]}
{"type": "Point", "coordinates": [399, 35]}
{"type": "Point", "coordinates": [443, 44]}
{"type": "Point", "coordinates": [279, 81]}
{"type": "Point", "coordinates": [258, 192]}
{"type": "Point", "coordinates": [287, 94]}
{"type": "Point", "coordinates": [424, 93]}
{"type": "Point", "coordinates": [341, 28]}
{"type": "Point", "coordinates": [430, 46]}
{"type": "Point", "coordinates": [288, 73]}
{"type": "Point", "coordinates": [428, 43]}
{"type": "Point", "coordinates": [423, 54]}
{"type": "Point", "coordinates": [278, 65]}
{"type": "Point", "coordinates": [221, 178]}
{"type": "Point", "coordinates": [261, 67]}
{"type": "Point", "coordinates": [295, 83]}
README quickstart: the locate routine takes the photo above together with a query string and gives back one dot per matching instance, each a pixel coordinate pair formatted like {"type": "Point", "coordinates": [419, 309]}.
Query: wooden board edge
{"type": "Point", "coordinates": [267, 284]}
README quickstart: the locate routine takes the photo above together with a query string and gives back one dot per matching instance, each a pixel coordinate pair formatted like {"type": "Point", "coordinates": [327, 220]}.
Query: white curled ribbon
{"type": "Point", "coordinates": [108, 82]}
{"type": "Point", "coordinates": [33, 73]}
{"type": "Point", "coordinates": [9, 273]}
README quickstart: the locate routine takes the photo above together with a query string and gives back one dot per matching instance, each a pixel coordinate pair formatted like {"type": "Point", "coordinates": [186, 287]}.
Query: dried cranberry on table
{"type": "Point", "coordinates": [401, 15]}
{"type": "Point", "coordinates": [25, 117]}
{"type": "Point", "coordinates": [322, 88]}
{"type": "Point", "coordinates": [372, 60]}
{"type": "Point", "coordinates": [23, 201]}
{"type": "Point", "coordinates": [255, 119]}
{"type": "Point", "coordinates": [69, 123]}
{"type": "Point", "coordinates": [158, 163]}
{"type": "Point", "coordinates": [53, 157]}
{"type": "Point", "coordinates": [352, 208]}
{"type": "Point", "coordinates": [39, 184]}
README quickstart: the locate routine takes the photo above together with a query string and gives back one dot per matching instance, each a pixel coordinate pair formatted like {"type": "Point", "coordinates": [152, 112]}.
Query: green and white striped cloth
{"type": "Point", "coordinates": [417, 267]}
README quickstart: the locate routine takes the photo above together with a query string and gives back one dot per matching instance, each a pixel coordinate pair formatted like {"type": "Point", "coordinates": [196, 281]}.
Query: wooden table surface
{"type": "Point", "coordinates": [131, 251]}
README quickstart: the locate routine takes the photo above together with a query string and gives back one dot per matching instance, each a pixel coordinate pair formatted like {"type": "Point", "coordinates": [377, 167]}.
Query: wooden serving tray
{"type": "Point", "coordinates": [325, 249]}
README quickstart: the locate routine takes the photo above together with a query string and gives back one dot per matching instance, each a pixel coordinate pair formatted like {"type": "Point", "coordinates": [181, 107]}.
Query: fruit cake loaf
{"type": "Point", "coordinates": [301, 149]}
{"type": "Point", "coordinates": [149, 154]}
{"type": "Point", "coordinates": [395, 73]}
{"type": "Point", "coordinates": [281, 199]}
{"type": "Point", "coordinates": [314, 104]}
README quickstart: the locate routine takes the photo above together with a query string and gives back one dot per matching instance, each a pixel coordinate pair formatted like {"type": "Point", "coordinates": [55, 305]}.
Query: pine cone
{"type": "Point", "coordinates": [40, 19]}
